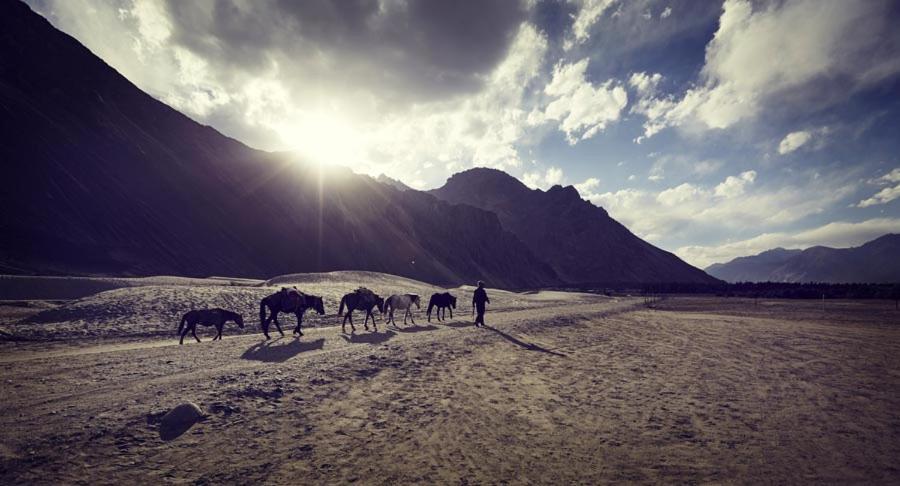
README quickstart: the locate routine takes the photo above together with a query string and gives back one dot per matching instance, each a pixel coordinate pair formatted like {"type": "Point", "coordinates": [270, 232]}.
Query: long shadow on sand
{"type": "Point", "coordinates": [459, 325]}
{"type": "Point", "coordinates": [523, 344]}
{"type": "Point", "coordinates": [417, 328]}
{"type": "Point", "coordinates": [273, 352]}
{"type": "Point", "coordinates": [369, 337]}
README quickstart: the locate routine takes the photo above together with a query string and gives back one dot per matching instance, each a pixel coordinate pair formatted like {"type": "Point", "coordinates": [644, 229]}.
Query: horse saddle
{"type": "Point", "coordinates": [293, 298]}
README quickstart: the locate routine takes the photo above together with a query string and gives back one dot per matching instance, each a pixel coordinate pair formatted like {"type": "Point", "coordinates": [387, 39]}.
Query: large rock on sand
{"type": "Point", "coordinates": [178, 420]}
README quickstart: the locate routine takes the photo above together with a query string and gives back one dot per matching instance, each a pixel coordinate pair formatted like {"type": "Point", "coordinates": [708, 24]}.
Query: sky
{"type": "Point", "coordinates": [712, 129]}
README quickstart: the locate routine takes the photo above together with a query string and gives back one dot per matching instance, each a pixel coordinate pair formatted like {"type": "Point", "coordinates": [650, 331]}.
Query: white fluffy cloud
{"type": "Point", "coordinates": [837, 235]}
{"type": "Point", "coordinates": [758, 54]}
{"type": "Point", "coordinates": [589, 13]}
{"type": "Point", "coordinates": [543, 180]}
{"type": "Point", "coordinates": [734, 204]}
{"type": "Point", "coordinates": [795, 140]}
{"type": "Point", "coordinates": [887, 194]}
{"type": "Point", "coordinates": [580, 108]}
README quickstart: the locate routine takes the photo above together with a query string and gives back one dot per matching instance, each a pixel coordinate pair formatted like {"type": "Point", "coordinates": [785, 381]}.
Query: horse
{"type": "Point", "coordinates": [443, 302]}
{"type": "Point", "coordinates": [288, 300]}
{"type": "Point", "coordinates": [361, 298]}
{"type": "Point", "coordinates": [401, 302]}
{"type": "Point", "coordinates": [207, 317]}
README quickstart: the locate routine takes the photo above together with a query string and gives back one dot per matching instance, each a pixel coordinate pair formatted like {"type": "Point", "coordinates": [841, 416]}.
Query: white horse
{"type": "Point", "coordinates": [401, 302]}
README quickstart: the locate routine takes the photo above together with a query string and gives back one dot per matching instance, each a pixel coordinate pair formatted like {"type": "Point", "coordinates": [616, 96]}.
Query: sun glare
{"type": "Point", "coordinates": [323, 138]}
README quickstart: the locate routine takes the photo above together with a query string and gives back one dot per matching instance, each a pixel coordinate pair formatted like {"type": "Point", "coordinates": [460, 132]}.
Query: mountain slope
{"type": "Point", "coordinates": [752, 268]}
{"type": "Point", "coordinates": [874, 262]}
{"type": "Point", "coordinates": [579, 240]}
{"type": "Point", "coordinates": [101, 178]}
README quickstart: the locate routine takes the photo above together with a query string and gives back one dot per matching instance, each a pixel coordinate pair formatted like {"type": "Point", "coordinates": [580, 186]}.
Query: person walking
{"type": "Point", "coordinates": [479, 299]}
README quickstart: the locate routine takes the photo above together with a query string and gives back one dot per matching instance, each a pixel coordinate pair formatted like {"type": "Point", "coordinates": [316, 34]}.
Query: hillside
{"type": "Point", "coordinates": [579, 240]}
{"type": "Point", "coordinates": [873, 262]}
{"type": "Point", "coordinates": [99, 178]}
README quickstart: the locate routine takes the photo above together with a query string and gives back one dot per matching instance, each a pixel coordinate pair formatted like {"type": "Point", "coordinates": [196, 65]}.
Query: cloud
{"type": "Point", "coordinates": [645, 84]}
{"type": "Point", "coordinates": [782, 53]}
{"type": "Point", "coordinates": [587, 189]}
{"type": "Point", "coordinates": [666, 13]}
{"type": "Point", "coordinates": [839, 234]}
{"type": "Point", "coordinates": [580, 109]}
{"type": "Point", "coordinates": [735, 204]}
{"type": "Point", "coordinates": [887, 194]}
{"type": "Point", "coordinates": [588, 15]}
{"type": "Point", "coordinates": [794, 140]}
{"type": "Point", "coordinates": [543, 180]}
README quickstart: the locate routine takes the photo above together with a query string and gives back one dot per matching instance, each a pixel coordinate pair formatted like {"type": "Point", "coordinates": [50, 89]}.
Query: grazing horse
{"type": "Point", "coordinates": [443, 302]}
{"type": "Point", "coordinates": [361, 298]}
{"type": "Point", "coordinates": [207, 317]}
{"type": "Point", "coordinates": [401, 302]}
{"type": "Point", "coordinates": [288, 300]}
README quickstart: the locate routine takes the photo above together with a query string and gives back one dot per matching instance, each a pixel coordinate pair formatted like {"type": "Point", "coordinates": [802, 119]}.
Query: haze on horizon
{"type": "Point", "coordinates": [711, 129]}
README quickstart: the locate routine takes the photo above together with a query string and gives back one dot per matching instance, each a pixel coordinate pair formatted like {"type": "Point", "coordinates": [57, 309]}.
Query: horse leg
{"type": "Point", "coordinates": [219, 333]}
{"type": "Point", "coordinates": [194, 332]}
{"type": "Point", "coordinates": [278, 326]}
{"type": "Point", "coordinates": [411, 316]}
{"type": "Point", "coordinates": [451, 312]}
{"type": "Point", "coordinates": [374, 324]}
{"type": "Point", "coordinates": [299, 322]}
{"type": "Point", "coordinates": [405, 315]}
{"type": "Point", "coordinates": [184, 333]}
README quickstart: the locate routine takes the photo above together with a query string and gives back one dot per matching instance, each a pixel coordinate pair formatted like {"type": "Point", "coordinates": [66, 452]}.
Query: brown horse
{"type": "Point", "coordinates": [288, 300]}
{"type": "Point", "coordinates": [207, 317]}
{"type": "Point", "coordinates": [361, 298]}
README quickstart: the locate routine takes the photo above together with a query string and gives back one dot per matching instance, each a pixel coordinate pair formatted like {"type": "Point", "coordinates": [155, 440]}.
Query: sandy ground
{"type": "Point", "coordinates": [560, 389]}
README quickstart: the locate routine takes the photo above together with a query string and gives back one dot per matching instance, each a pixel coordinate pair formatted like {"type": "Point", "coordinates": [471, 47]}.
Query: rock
{"type": "Point", "coordinates": [179, 420]}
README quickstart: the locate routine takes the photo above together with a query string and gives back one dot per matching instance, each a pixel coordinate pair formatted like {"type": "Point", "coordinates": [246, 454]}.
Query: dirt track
{"type": "Point", "coordinates": [579, 392]}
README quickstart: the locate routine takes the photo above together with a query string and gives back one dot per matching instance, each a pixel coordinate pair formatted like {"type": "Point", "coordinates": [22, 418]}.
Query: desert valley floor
{"type": "Point", "coordinates": [561, 388]}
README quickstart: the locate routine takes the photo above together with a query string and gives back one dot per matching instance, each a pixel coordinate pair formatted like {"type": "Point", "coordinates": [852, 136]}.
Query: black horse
{"type": "Point", "coordinates": [288, 300]}
{"type": "Point", "coordinates": [207, 317]}
{"type": "Point", "coordinates": [361, 298]}
{"type": "Point", "coordinates": [443, 302]}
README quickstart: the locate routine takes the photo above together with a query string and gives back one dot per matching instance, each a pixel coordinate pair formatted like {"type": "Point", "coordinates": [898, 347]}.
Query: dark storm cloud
{"type": "Point", "coordinates": [405, 50]}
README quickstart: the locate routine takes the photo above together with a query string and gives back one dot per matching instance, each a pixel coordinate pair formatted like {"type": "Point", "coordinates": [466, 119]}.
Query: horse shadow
{"type": "Point", "coordinates": [418, 328]}
{"type": "Point", "coordinates": [459, 325]}
{"type": "Point", "coordinates": [369, 337]}
{"type": "Point", "coordinates": [524, 344]}
{"type": "Point", "coordinates": [272, 352]}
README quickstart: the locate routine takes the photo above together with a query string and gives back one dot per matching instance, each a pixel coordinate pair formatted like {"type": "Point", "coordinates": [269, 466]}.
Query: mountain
{"type": "Point", "coordinates": [99, 178]}
{"type": "Point", "coordinates": [874, 262]}
{"type": "Point", "coordinates": [392, 182]}
{"type": "Point", "coordinates": [749, 269]}
{"type": "Point", "coordinates": [580, 241]}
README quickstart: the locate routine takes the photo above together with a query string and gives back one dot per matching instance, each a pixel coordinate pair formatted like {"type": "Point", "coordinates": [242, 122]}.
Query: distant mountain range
{"type": "Point", "coordinates": [579, 240]}
{"type": "Point", "coordinates": [877, 261]}
{"type": "Point", "coordinates": [100, 178]}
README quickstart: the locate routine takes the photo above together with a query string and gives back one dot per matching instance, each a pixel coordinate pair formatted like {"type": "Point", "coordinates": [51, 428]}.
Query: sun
{"type": "Point", "coordinates": [323, 137]}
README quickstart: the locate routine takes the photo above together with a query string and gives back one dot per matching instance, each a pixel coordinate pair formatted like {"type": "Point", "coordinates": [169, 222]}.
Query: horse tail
{"type": "Point", "coordinates": [341, 308]}
{"type": "Point", "coordinates": [262, 311]}
{"type": "Point", "coordinates": [387, 305]}
{"type": "Point", "coordinates": [430, 306]}
{"type": "Point", "coordinates": [182, 323]}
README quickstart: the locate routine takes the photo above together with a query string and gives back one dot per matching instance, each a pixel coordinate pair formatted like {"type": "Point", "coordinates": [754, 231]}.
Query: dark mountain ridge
{"type": "Point", "coordinates": [873, 262]}
{"type": "Point", "coordinates": [579, 240]}
{"type": "Point", "coordinates": [101, 178]}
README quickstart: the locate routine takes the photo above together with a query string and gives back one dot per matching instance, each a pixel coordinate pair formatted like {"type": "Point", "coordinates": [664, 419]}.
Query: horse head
{"type": "Point", "coordinates": [319, 305]}
{"type": "Point", "coordinates": [414, 298]}
{"type": "Point", "coordinates": [379, 302]}
{"type": "Point", "coordinates": [239, 320]}
{"type": "Point", "coordinates": [452, 301]}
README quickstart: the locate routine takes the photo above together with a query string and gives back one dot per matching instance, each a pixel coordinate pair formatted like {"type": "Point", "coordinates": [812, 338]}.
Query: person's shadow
{"type": "Point", "coordinates": [418, 328]}
{"type": "Point", "coordinates": [459, 325]}
{"type": "Point", "coordinates": [369, 337]}
{"type": "Point", "coordinates": [523, 344]}
{"type": "Point", "coordinates": [273, 352]}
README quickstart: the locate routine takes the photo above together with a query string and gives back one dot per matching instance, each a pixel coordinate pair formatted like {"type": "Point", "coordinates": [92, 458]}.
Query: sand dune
{"type": "Point", "coordinates": [560, 389]}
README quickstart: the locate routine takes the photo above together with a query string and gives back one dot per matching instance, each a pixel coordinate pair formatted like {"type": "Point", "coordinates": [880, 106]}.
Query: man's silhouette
{"type": "Point", "coordinates": [479, 299]}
